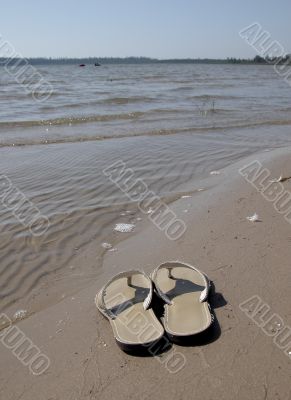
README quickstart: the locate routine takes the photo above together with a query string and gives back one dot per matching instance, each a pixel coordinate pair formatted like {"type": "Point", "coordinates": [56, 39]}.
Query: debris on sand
{"type": "Point", "coordinates": [281, 179]}
{"type": "Point", "coordinates": [106, 245]}
{"type": "Point", "coordinates": [276, 180]}
{"type": "Point", "coordinates": [253, 218]}
{"type": "Point", "coordinates": [20, 314]}
{"type": "Point", "coordinates": [124, 228]}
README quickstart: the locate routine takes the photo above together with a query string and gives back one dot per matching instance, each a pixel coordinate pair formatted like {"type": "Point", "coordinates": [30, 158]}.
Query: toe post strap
{"type": "Point", "coordinates": [169, 266]}
{"type": "Point", "coordinates": [100, 298]}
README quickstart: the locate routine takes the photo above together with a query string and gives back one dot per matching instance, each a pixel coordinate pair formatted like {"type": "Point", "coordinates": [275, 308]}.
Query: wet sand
{"type": "Point", "coordinates": [236, 360]}
{"type": "Point", "coordinates": [66, 183]}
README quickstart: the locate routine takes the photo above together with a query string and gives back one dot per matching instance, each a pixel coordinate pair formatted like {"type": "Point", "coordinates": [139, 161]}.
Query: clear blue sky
{"type": "Point", "coordinates": [153, 28]}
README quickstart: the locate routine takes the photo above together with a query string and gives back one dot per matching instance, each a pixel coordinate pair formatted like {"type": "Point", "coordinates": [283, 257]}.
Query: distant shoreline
{"type": "Point", "coordinates": [137, 60]}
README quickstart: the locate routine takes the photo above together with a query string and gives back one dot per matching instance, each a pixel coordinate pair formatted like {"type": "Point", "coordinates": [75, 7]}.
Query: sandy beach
{"type": "Point", "coordinates": [237, 359]}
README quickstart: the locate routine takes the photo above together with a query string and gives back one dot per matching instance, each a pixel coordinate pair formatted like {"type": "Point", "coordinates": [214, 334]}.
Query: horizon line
{"type": "Point", "coordinates": [128, 57]}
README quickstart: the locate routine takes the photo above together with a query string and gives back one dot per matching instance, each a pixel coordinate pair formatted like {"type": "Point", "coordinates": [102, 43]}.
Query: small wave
{"type": "Point", "coordinates": [182, 89]}
{"type": "Point", "coordinates": [125, 100]}
{"type": "Point", "coordinates": [72, 120]}
{"type": "Point", "coordinates": [158, 132]}
{"type": "Point", "coordinates": [208, 97]}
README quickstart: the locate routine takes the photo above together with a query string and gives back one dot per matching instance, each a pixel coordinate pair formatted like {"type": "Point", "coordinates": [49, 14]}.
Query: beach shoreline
{"type": "Point", "coordinates": [242, 258]}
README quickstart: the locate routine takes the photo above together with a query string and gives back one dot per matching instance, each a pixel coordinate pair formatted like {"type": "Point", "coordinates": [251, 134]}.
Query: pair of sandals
{"type": "Point", "coordinates": [126, 301]}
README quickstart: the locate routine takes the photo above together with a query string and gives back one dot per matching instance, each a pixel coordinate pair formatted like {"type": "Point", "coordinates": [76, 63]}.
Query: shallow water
{"type": "Point", "coordinates": [172, 124]}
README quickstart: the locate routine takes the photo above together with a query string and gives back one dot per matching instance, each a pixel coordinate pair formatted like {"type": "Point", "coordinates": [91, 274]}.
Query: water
{"type": "Point", "coordinates": [129, 100]}
{"type": "Point", "coordinates": [172, 124]}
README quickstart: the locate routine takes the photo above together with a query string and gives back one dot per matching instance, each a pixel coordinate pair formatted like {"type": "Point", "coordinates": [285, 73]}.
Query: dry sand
{"type": "Point", "coordinates": [237, 361]}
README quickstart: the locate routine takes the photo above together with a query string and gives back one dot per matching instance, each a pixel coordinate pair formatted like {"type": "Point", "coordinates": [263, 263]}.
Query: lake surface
{"type": "Point", "coordinates": [172, 124]}
{"type": "Point", "coordinates": [133, 100]}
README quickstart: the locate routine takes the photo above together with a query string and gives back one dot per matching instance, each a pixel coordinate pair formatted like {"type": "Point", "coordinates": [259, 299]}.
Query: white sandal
{"type": "Point", "coordinates": [184, 290]}
{"type": "Point", "coordinates": [125, 301]}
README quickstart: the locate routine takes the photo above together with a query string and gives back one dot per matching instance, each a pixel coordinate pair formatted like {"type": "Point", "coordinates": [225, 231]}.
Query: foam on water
{"type": "Point", "coordinates": [124, 228]}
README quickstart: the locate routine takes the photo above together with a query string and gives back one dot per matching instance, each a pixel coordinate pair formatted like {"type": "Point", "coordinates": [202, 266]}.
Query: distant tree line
{"type": "Point", "coordinates": [144, 60]}
{"type": "Point", "coordinates": [273, 60]}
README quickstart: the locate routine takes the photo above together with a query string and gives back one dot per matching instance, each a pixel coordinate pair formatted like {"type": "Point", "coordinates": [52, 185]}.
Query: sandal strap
{"type": "Point", "coordinates": [100, 298]}
{"type": "Point", "coordinates": [171, 265]}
